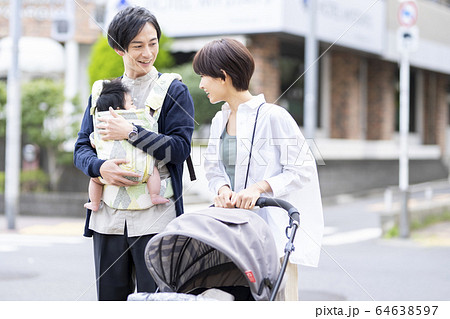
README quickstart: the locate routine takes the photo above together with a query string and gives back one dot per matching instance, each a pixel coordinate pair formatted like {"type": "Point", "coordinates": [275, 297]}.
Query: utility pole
{"type": "Point", "coordinates": [404, 132]}
{"type": "Point", "coordinates": [13, 120]}
{"type": "Point", "coordinates": [311, 69]}
{"type": "Point", "coordinates": [407, 41]}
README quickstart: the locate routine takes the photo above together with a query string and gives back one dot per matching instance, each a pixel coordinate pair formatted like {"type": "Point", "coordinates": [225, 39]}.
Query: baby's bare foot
{"type": "Point", "coordinates": [158, 199]}
{"type": "Point", "coordinates": [92, 206]}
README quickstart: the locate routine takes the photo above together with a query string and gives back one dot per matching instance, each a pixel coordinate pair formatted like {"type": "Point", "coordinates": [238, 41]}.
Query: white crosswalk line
{"type": "Point", "coordinates": [350, 237]}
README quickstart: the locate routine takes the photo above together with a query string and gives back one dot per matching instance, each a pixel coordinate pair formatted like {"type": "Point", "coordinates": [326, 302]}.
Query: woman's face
{"type": "Point", "coordinates": [214, 88]}
{"type": "Point", "coordinates": [141, 53]}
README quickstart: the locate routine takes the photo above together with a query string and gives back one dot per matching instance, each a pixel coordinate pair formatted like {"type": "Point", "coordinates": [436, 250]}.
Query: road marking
{"type": "Point", "coordinates": [12, 242]}
{"type": "Point", "coordinates": [351, 237]}
{"type": "Point", "coordinates": [63, 229]}
{"type": "Point", "coordinates": [8, 248]}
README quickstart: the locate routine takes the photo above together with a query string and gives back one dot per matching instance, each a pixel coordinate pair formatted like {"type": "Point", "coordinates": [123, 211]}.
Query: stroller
{"type": "Point", "coordinates": [217, 249]}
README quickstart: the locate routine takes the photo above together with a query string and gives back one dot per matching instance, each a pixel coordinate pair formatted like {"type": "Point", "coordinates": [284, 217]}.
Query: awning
{"type": "Point", "coordinates": [36, 55]}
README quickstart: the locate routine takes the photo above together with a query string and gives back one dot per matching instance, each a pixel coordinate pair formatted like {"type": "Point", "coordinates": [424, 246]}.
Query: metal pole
{"type": "Point", "coordinates": [310, 96]}
{"type": "Point", "coordinates": [404, 131]}
{"type": "Point", "coordinates": [13, 120]}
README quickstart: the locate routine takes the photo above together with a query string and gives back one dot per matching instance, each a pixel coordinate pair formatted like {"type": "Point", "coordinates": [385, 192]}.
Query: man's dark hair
{"type": "Point", "coordinates": [227, 55]}
{"type": "Point", "coordinates": [126, 25]}
{"type": "Point", "coordinates": [112, 95]}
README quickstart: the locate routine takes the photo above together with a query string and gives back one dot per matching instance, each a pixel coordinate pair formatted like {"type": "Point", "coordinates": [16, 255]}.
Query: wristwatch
{"type": "Point", "coordinates": [132, 136]}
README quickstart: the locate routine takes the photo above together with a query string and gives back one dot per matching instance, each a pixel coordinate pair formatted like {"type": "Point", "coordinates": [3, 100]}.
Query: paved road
{"type": "Point", "coordinates": [47, 259]}
{"type": "Point", "coordinates": [357, 264]}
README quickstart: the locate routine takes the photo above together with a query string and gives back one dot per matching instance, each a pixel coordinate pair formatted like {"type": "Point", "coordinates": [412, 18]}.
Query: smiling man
{"type": "Point", "coordinates": [119, 235]}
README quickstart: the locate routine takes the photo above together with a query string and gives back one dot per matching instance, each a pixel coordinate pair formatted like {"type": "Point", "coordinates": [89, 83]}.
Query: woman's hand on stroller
{"type": "Point", "coordinates": [223, 199]}
{"type": "Point", "coordinates": [246, 199]}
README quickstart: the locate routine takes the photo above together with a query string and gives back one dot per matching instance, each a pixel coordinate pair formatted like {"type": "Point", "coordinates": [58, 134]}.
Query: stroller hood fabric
{"type": "Point", "coordinates": [214, 247]}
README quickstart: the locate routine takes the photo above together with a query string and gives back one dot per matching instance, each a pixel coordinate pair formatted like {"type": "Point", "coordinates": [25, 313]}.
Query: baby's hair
{"type": "Point", "coordinates": [112, 95]}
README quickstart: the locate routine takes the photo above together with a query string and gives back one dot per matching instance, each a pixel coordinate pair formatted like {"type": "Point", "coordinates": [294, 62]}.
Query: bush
{"type": "Point", "coordinates": [30, 181]}
{"type": "Point", "coordinates": [204, 110]}
{"type": "Point", "coordinates": [34, 181]}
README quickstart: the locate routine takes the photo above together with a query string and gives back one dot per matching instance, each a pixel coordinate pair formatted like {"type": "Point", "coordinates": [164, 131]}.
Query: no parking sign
{"type": "Point", "coordinates": [407, 13]}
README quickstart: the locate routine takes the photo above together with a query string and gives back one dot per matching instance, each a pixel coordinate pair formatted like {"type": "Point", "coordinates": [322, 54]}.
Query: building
{"type": "Point", "coordinates": [357, 102]}
{"type": "Point", "coordinates": [57, 36]}
{"type": "Point", "coordinates": [356, 114]}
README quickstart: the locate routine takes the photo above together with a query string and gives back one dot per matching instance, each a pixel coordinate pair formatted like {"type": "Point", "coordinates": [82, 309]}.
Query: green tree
{"type": "Point", "coordinates": [105, 63]}
{"type": "Point", "coordinates": [42, 102]}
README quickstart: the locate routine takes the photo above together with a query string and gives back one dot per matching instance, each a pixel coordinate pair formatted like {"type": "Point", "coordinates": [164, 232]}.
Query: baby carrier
{"type": "Point", "coordinates": [134, 197]}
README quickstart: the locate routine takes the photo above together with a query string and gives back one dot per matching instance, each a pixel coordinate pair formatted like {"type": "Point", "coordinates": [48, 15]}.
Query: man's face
{"type": "Point", "coordinates": [141, 53]}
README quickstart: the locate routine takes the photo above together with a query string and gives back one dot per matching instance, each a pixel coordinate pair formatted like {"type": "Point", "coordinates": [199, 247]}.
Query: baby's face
{"type": "Point", "coordinates": [129, 102]}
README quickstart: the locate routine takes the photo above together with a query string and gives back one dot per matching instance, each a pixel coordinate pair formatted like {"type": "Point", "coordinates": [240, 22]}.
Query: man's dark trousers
{"type": "Point", "coordinates": [119, 262]}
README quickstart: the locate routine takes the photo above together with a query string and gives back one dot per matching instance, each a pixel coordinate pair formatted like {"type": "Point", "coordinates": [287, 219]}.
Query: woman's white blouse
{"type": "Point", "coordinates": [280, 156]}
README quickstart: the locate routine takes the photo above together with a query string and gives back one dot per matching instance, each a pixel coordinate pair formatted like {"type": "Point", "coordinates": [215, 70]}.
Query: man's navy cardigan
{"type": "Point", "coordinates": [172, 144]}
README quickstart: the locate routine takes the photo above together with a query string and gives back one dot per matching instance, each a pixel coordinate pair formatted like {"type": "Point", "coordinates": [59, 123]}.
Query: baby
{"type": "Point", "coordinates": [114, 93]}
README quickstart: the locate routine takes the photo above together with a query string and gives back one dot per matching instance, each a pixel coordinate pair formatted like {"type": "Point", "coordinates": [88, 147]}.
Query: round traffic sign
{"type": "Point", "coordinates": [407, 13]}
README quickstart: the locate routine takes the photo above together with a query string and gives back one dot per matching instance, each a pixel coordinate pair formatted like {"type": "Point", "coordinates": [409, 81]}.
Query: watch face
{"type": "Point", "coordinates": [133, 134]}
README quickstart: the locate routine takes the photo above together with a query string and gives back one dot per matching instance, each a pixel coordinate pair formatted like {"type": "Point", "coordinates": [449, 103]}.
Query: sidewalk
{"type": "Point", "coordinates": [434, 235]}
{"type": "Point", "coordinates": [58, 226]}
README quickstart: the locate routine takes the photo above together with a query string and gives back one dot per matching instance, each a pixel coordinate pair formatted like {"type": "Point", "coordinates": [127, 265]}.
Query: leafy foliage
{"type": "Point", "coordinates": [42, 102]}
{"type": "Point", "coordinates": [204, 110]}
{"type": "Point", "coordinates": [105, 63]}
{"type": "Point", "coordinates": [42, 105]}
{"type": "Point", "coordinates": [165, 58]}
{"type": "Point", "coordinates": [30, 181]}
{"type": "Point", "coordinates": [34, 181]}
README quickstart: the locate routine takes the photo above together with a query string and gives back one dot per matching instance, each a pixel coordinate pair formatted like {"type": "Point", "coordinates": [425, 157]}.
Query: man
{"type": "Point", "coordinates": [120, 236]}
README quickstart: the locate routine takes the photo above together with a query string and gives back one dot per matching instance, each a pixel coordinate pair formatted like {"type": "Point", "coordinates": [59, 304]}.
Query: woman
{"type": "Point", "coordinates": [256, 149]}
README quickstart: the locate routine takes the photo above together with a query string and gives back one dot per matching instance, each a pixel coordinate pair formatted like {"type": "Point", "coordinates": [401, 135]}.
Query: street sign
{"type": "Point", "coordinates": [408, 39]}
{"type": "Point", "coordinates": [407, 13]}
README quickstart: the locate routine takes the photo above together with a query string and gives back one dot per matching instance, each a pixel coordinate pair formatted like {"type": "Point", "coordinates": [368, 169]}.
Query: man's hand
{"type": "Point", "coordinates": [223, 199]}
{"type": "Point", "coordinates": [115, 128]}
{"type": "Point", "coordinates": [114, 175]}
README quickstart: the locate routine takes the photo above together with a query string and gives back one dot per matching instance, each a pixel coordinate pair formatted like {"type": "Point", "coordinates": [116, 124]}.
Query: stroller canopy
{"type": "Point", "coordinates": [215, 247]}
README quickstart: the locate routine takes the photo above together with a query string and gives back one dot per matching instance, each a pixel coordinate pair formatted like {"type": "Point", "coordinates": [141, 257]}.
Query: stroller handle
{"type": "Point", "coordinates": [292, 211]}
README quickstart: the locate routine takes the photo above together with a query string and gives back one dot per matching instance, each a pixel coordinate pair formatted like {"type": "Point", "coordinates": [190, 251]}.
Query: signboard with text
{"type": "Point", "coordinates": [357, 24]}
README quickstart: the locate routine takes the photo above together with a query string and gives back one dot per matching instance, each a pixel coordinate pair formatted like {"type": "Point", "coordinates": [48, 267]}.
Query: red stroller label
{"type": "Point", "coordinates": [250, 276]}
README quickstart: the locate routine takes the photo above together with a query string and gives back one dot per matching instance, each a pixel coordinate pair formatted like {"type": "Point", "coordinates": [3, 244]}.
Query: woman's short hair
{"type": "Point", "coordinates": [112, 95]}
{"type": "Point", "coordinates": [227, 55]}
{"type": "Point", "coordinates": [126, 25]}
